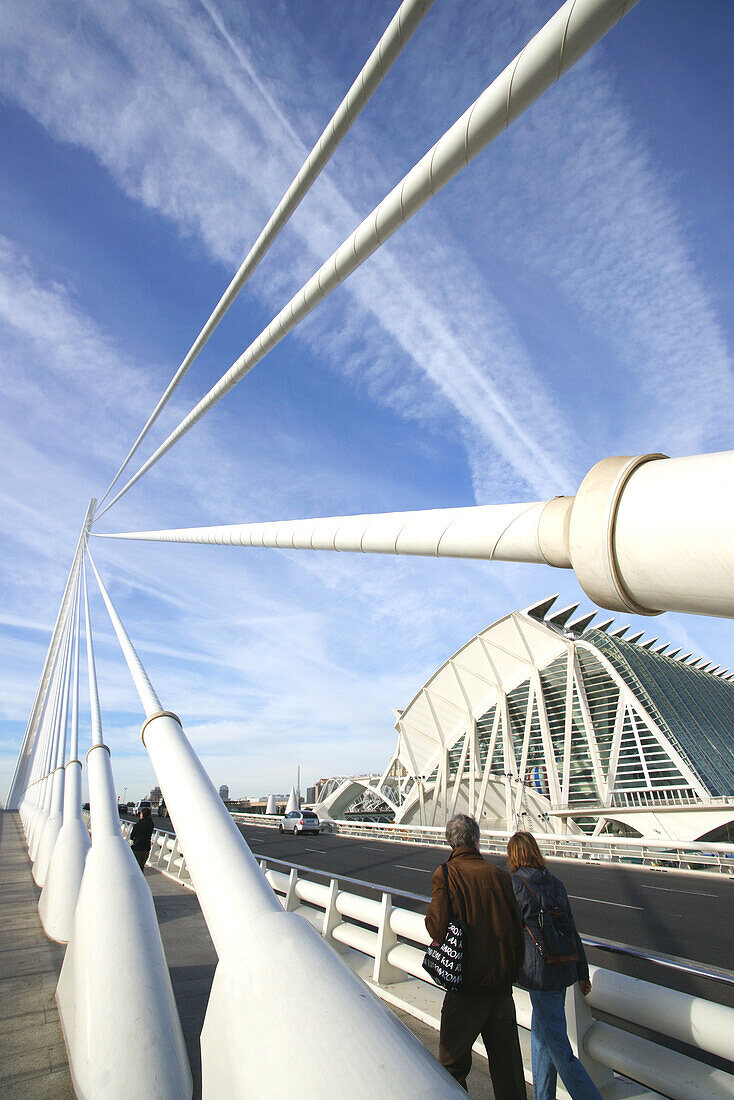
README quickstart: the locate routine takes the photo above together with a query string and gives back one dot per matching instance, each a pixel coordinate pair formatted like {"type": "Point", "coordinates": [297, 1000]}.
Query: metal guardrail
{"type": "Point", "coordinates": [695, 856]}
{"type": "Point", "coordinates": [385, 944]}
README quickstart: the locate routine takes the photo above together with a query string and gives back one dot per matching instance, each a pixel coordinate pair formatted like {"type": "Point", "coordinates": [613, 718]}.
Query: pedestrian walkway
{"type": "Point", "coordinates": [33, 1062]}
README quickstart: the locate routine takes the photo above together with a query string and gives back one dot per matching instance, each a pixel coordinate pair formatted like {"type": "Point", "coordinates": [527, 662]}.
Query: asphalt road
{"type": "Point", "coordinates": [688, 916]}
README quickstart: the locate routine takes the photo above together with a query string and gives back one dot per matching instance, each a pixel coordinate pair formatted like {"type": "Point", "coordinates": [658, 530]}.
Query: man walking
{"type": "Point", "coordinates": [140, 835]}
{"type": "Point", "coordinates": [481, 895]}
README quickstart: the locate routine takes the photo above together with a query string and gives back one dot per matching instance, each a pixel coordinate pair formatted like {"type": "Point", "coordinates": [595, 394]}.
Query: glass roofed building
{"type": "Point", "coordinates": [548, 722]}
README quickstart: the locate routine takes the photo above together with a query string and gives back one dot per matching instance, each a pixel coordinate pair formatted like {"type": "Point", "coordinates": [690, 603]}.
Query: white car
{"type": "Point", "coordinates": [300, 821]}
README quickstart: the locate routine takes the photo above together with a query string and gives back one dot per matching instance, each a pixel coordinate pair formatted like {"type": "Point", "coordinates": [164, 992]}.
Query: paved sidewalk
{"type": "Point", "coordinates": [33, 1062]}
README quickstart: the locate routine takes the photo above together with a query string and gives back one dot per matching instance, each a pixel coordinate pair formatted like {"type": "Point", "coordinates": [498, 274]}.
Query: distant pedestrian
{"type": "Point", "coordinates": [545, 978]}
{"type": "Point", "coordinates": [140, 836]}
{"type": "Point", "coordinates": [481, 896]}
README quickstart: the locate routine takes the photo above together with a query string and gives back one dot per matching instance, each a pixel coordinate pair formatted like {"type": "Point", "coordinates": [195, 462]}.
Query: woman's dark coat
{"type": "Point", "coordinates": [550, 891]}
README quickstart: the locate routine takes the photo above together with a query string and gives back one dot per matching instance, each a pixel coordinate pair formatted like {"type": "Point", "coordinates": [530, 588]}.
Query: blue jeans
{"type": "Point", "coordinates": [551, 1050]}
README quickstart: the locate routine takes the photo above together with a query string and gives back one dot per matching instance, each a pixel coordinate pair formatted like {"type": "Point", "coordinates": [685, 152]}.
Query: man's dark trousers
{"type": "Point", "coordinates": [142, 858]}
{"type": "Point", "coordinates": [463, 1018]}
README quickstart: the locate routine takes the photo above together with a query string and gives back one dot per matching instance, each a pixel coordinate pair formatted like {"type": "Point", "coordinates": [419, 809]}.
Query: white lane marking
{"type": "Point", "coordinates": [600, 901]}
{"type": "Point", "coordinates": [668, 890]}
{"type": "Point", "coordinates": [314, 850]}
{"type": "Point", "coordinates": [420, 870]}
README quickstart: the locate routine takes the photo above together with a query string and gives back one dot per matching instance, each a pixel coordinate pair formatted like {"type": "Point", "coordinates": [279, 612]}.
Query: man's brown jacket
{"type": "Point", "coordinates": [482, 896]}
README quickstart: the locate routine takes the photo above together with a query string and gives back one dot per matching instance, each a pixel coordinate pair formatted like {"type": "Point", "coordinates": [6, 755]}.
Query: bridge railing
{"type": "Point", "coordinates": [689, 856]}
{"type": "Point", "coordinates": [385, 943]}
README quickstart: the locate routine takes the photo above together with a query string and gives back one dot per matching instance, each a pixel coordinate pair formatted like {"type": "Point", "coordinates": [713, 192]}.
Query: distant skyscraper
{"type": "Point", "coordinates": [310, 794]}
{"type": "Point", "coordinates": [155, 796]}
{"type": "Point", "coordinates": [224, 792]}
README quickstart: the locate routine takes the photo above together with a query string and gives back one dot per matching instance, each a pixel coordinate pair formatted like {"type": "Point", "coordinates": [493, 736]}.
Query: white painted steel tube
{"type": "Point", "coordinates": [230, 886]}
{"type": "Point", "coordinates": [399, 30]}
{"type": "Point", "coordinates": [58, 899]}
{"type": "Point", "coordinates": [692, 1020]}
{"type": "Point", "coordinates": [503, 532]}
{"type": "Point", "coordinates": [361, 939]}
{"type": "Point", "coordinates": [358, 908]}
{"type": "Point", "coordinates": [94, 709]}
{"type": "Point", "coordinates": [573, 30]}
{"type": "Point", "coordinates": [21, 771]}
{"type": "Point", "coordinates": [45, 781]}
{"type": "Point", "coordinates": [60, 893]}
{"type": "Point", "coordinates": [149, 699]}
{"type": "Point", "coordinates": [119, 1017]}
{"type": "Point", "coordinates": [673, 535]}
{"type": "Point", "coordinates": [104, 816]}
{"type": "Point", "coordinates": [55, 800]}
{"type": "Point", "coordinates": [672, 1074]}
{"type": "Point", "coordinates": [261, 947]}
{"type": "Point", "coordinates": [409, 959]}
{"type": "Point", "coordinates": [643, 533]}
{"type": "Point", "coordinates": [314, 892]}
{"type": "Point", "coordinates": [114, 943]}
{"type": "Point", "coordinates": [411, 925]}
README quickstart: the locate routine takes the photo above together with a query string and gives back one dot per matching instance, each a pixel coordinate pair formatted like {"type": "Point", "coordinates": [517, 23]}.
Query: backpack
{"type": "Point", "coordinates": [554, 936]}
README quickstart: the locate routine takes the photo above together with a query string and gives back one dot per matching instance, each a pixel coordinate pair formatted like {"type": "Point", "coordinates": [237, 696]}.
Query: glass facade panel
{"type": "Point", "coordinates": [553, 684]}
{"type": "Point", "coordinates": [484, 733]}
{"type": "Point", "coordinates": [694, 709]}
{"type": "Point", "coordinates": [517, 706]}
{"type": "Point", "coordinates": [582, 787]}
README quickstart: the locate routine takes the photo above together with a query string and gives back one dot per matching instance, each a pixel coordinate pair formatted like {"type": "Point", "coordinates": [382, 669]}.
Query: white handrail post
{"type": "Point", "coordinates": [383, 973]}
{"type": "Point", "coordinates": [172, 855]}
{"type": "Point", "coordinates": [332, 917]}
{"type": "Point", "coordinates": [578, 1021]}
{"type": "Point", "coordinates": [290, 901]}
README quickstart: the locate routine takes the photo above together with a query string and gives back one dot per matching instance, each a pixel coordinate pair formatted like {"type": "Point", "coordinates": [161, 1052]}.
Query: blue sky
{"type": "Point", "coordinates": [567, 297]}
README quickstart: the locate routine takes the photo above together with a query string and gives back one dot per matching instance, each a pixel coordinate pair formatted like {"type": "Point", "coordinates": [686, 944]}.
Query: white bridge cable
{"type": "Point", "coordinates": [64, 732]}
{"type": "Point", "coordinates": [74, 734]}
{"type": "Point", "coordinates": [21, 769]}
{"type": "Point", "coordinates": [573, 30]}
{"type": "Point", "coordinates": [501, 532]}
{"type": "Point", "coordinates": [399, 31]}
{"type": "Point", "coordinates": [59, 703]}
{"type": "Point", "coordinates": [149, 699]}
{"type": "Point", "coordinates": [47, 725]}
{"type": "Point", "coordinates": [94, 708]}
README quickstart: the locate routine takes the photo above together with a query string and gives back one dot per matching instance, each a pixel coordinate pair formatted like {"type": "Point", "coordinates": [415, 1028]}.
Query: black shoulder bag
{"type": "Point", "coordinates": [555, 940]}
{"type": "Point", "coordinates": [445, 961]}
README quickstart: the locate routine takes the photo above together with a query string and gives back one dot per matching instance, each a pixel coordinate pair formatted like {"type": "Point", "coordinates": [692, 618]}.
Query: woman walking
{"type": "Point", "coordinates": [545, 976]}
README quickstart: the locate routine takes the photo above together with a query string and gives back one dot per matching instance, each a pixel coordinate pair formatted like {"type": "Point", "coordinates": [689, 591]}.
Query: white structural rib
{"type": "Point", "coordinates": [575, 27]}
{"type": "Point", "coordinates": [400, 29]}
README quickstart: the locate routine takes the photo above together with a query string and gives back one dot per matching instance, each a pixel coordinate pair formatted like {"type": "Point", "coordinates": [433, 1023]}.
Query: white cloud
{"type": "Point", "coordinates": [264, 652]}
